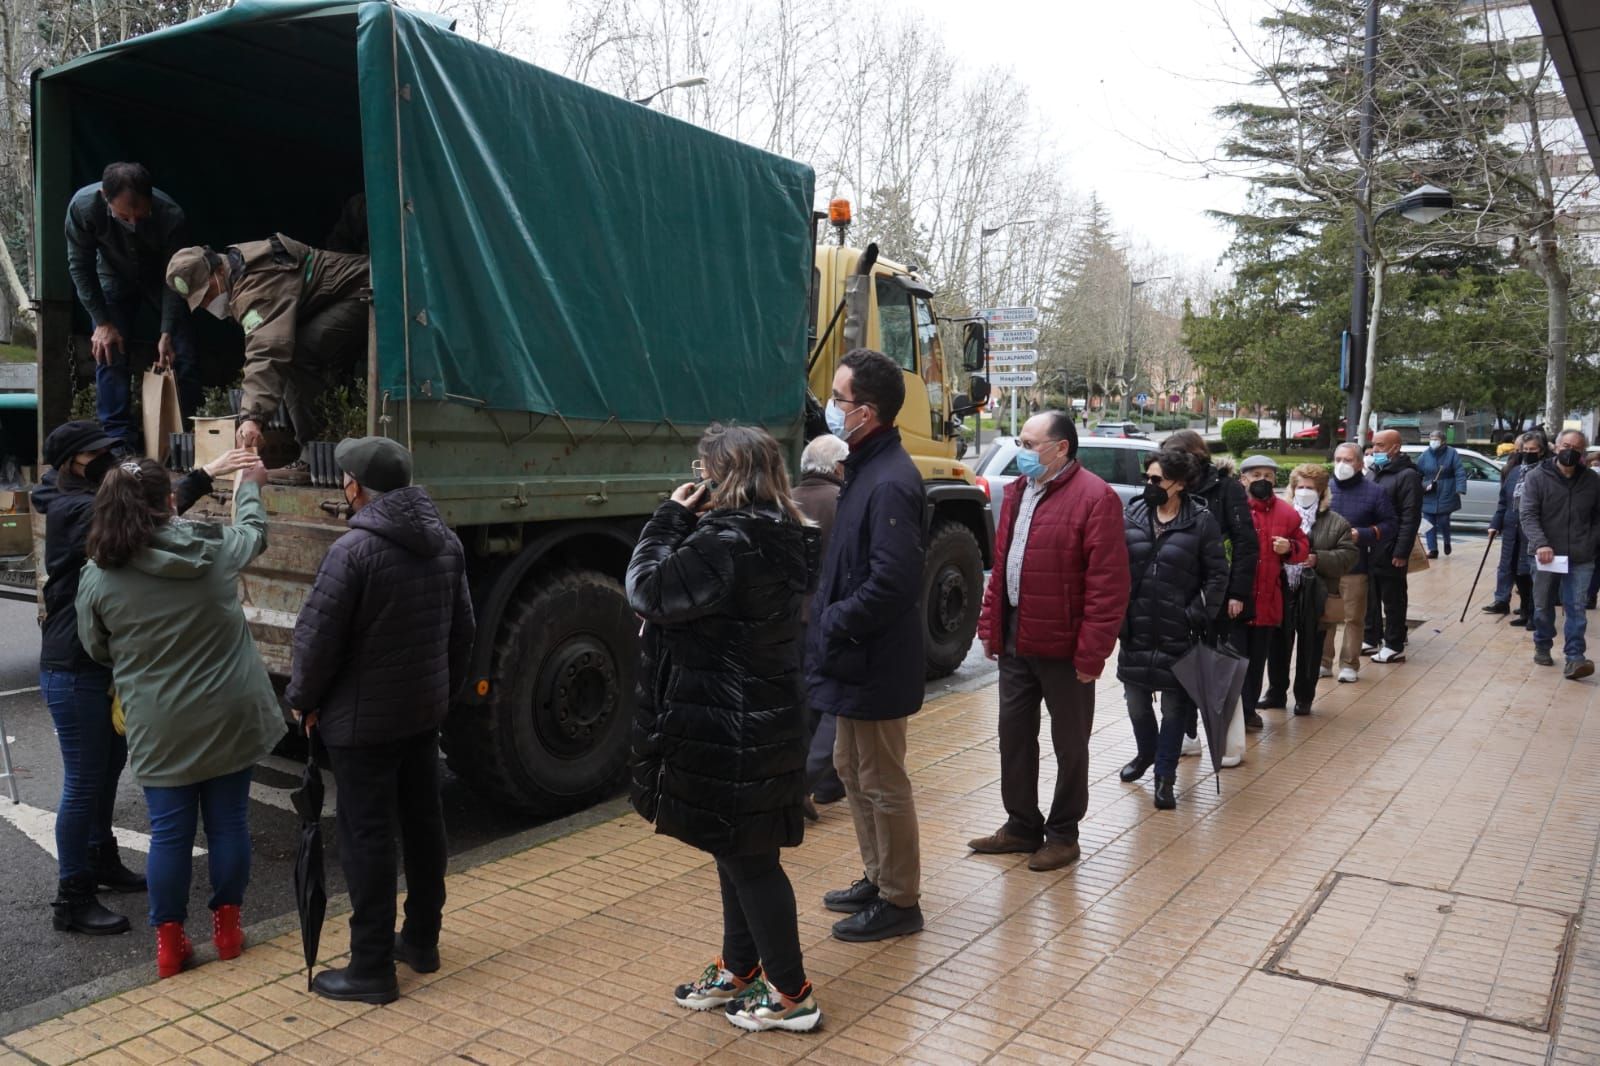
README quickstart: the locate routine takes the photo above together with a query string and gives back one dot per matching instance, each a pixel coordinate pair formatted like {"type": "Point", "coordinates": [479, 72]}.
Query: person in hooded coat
{"type": "Point", "coordinates": [719, 752]}
{"type": "Point", "coordinates": [158, 604]}
{"type": "Point", "coordinates": [1180, 578]}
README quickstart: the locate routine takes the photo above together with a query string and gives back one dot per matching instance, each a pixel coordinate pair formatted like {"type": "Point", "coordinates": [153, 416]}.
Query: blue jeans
{"type": "Point", "coordinates": [224, 803]}
{"type": "Point", "coordinates": [1440, 528]}
{"type": "Point", "coordinates": [112, 381]}
{"type": "Point", "coordinates": [92, 756]}
{"type": "Point", "coordinates": [1572, 588]}
{"type": "Point", "coordinates": [1163, 745]}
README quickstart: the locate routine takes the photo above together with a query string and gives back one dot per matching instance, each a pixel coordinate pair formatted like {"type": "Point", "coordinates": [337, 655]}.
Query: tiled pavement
{"type": "Point", "coordinates": [1396, 879]}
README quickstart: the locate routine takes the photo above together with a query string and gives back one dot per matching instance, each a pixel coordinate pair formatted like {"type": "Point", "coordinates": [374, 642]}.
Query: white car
{"type": "Point", "coordinates": [1119, 461]}
{"type": "Point", "coordinates": [1478, 503]}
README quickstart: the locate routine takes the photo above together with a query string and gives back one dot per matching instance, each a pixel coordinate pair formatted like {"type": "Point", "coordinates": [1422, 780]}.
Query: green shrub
{"type": "Point", "coordinates": [1169, 421]}
{"type": "Point", "coordinates": [1239, 435]}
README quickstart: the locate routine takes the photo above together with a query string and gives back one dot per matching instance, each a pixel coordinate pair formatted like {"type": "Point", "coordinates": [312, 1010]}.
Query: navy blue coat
{"type": "Point", "coordinates": [864, 647]}
{"type": "Point", "coordinates": [1445, 471]}
{"type": "Point", "coordinates": [1506, 519]}
{"type": "Point", "coordinates": [1363, 503]}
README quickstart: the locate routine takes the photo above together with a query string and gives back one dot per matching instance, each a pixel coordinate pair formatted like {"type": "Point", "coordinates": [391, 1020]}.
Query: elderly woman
{"type": "Point", "coordinates": [1311, 583]}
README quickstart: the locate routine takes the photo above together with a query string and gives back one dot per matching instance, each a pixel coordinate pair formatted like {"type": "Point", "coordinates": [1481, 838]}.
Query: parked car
{"type": "Point", "coordinates": [1478, 503]}
{"type": "Point", "coordinates": [1120, 461]}
{"type": "Point", "coordinates": [1119, 430]}
{"type": "Point", "coordinates": [1311, 431]}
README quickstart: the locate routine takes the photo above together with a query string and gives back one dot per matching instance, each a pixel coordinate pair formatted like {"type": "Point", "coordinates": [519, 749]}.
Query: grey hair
{"type": "Point", "coordinates": [823, 454]}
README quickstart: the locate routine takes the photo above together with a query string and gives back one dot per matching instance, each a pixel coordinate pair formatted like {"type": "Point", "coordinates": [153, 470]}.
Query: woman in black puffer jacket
{"type": "Point", "coordinates": [720, 736]}
{"type": "Point", "coordinates": [1180, 578]}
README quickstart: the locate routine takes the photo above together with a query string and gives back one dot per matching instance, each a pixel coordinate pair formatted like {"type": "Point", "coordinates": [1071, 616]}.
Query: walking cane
{"type": "Point", "coordinates": [1474, 591]}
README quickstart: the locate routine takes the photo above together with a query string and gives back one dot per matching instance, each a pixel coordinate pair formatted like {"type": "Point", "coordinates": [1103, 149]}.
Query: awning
{"type": "Point", "coordinates": [1572, 33]}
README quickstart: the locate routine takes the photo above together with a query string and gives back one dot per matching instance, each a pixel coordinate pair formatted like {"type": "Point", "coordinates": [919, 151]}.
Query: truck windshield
{"type": "Point", "coordinates": [895, 332]}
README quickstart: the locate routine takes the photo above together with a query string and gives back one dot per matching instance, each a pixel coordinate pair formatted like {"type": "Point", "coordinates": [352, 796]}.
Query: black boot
{"type": "Point", "coordinates": [110, 874]}
{"type": "Point", "coordinates": [338, 984]}
{"type": "Point", "coordinates": [78, 911]}
{"type": "Point", "coordinates": [1498, 607]}
{"type": "Point", "coordinates": [1135, 769]}
{"type": "Point", "coordinates": [1166, 794]}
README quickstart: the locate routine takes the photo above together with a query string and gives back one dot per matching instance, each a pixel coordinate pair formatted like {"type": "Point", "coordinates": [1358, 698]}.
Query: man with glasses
{"type": "Point", "coordinates": [1051, 614]}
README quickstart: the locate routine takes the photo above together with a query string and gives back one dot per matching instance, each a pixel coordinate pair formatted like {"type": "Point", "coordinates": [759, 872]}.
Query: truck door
{"type": "Point", "coordinates": [898, 329]}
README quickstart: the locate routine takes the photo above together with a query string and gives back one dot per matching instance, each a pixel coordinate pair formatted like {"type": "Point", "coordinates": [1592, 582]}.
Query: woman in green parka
{"type": "Point", "coordinates": [159, 604]}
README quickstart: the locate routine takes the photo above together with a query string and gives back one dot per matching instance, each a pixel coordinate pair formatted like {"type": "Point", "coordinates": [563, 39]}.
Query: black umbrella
{"type": "Point", "coordinates": [310, 881]}
{"type": "Point", "coordinates": [1214, 678]}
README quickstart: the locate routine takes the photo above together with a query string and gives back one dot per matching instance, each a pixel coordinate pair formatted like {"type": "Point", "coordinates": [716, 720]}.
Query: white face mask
{"type": "Point", "coordinates": [218, 308]}
{"type": "Point", "coordinates": [1305, 499]}
{"type": "Point", "coordinates": [1344, 471]}
{"type": "Point", "coordinates": [1435, 445]}
{"type": "Point", "coordinates": [1366, 461]}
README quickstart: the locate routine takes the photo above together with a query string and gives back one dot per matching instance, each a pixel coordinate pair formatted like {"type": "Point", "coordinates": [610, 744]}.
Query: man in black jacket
{"type": "Point", "coordinates": [1388, 597]}
{"type": "Point", "coordinates": [380, 648]}
{"type": "Point", "coordinates": [864, 658]}
{"type": "Point", "coordinates": [1560, 513]}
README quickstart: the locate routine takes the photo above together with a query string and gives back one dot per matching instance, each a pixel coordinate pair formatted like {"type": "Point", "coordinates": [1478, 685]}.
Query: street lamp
{"type": "Point", "coordinates": [1122, 378]}
{"type": "Point", "coordinates": [1423, 205]}
{"type": "Point", "coordinates": [984, 233]}
{"type": "Point", "coordinates": [686, 83]}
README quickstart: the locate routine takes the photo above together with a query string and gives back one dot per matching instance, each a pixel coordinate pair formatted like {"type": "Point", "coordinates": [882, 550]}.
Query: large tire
{"type": "Point", "coordinates": [952, 595]}
{"type": "Point", "coordinates": [553, 734]}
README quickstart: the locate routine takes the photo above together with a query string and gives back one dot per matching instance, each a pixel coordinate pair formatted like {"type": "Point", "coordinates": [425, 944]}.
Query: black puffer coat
{"type": "Point", "coordinates": [1180, 580]}
{"type": "Point", "coordinates": [719, 742]}
{"type": "Point", "coordinates": [384, 639]}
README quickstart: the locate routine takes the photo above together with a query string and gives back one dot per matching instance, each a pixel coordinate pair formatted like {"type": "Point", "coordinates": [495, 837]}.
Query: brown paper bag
{"type": "Point", "coordinates": [159, 396]}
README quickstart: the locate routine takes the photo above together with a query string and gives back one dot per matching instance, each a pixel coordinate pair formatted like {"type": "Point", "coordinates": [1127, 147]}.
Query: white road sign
{"type": "Point", "coordinates": [1014, 378]}
{"type": "Point", "coordinates": [1002, 315]}
{"type": "Point", "coordinates": [1014, 336]}
{"type": "Point", "coordinates": [1015, 357]}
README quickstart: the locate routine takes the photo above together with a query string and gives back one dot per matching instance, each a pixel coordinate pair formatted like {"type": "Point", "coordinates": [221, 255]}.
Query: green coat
{"type": "Point", "coordinates": [195, 694]}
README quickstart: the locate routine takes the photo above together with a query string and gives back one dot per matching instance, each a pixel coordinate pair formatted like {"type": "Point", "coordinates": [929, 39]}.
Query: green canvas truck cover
{"type": "Point", "coordinates": [537, 245]}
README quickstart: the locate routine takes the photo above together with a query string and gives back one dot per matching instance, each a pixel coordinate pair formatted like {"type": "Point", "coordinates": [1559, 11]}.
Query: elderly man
{"type": "Point", "coordinates": [821, 478]}
{"type": "Point", "coordinates": [380, 648]}
{"type": "Point", "coordinates": [304, 316]}
{"type": "Point", "coordinates": [1359, 500]}
{"type": "Point", "coordinates": [1561, 517]}
{"type": "Point", "coordinates": [120, 233]}
{"type": "Point", "coordinates": [1051, 614]}
{"type": "Point", "coordinates": [1387, 595]}
{"type": "Point", "coordinates": [864, 658]}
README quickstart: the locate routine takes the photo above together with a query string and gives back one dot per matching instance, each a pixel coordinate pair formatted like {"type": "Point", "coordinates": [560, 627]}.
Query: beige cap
{"type": "Point", "coordinates": [189, 275]}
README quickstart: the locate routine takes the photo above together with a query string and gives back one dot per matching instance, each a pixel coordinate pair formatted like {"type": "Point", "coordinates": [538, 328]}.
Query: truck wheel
{"type": "Point", "coordinates": [952, 594]}
{"type": "Point", "coordinates": [553, 733]}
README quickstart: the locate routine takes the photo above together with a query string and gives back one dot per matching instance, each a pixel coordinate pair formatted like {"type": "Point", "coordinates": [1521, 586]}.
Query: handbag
{"type": "Point", "coordinates": [1419, 557]}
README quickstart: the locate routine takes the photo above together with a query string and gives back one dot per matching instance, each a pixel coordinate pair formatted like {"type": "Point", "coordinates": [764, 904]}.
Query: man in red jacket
{"type": "Point", "coordinates": [1051, 614]}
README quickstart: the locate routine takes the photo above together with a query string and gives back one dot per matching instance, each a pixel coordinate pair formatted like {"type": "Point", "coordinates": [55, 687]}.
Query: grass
{"type": "Point", "coordinates": [17, 353]}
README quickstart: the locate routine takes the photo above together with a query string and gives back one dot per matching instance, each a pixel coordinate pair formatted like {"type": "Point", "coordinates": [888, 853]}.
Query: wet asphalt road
{"type": "Point", "coordinates": [37, 963]}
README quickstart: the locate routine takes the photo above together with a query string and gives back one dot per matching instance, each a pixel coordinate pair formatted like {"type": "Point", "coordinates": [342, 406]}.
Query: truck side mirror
{"type": "Point", "coordinates": [978, 390]}
{"type": "Point", "coordinates": [975, 349]}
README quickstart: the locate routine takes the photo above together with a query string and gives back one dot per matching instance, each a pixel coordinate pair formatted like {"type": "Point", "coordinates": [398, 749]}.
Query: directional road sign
{"type": "Point", "coordinates": [1014, 378]}
{"type": "Point", "coordinates": [1004, 315]}
{"type": "Point", "coordinates": [1015, 357]}
{"type": "Point", "coordinates": [1013, 336]}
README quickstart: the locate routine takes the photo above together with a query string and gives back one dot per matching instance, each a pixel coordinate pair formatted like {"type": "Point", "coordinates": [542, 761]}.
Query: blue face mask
{"type": "Point", "coordinates": [1029, 463]}
{"type": "Point", "coordinates": [1435, 445]}
{"type": "Point", "coordinates": [835, 415]}
{"type": "Point", "coordinates": [1380, 458]}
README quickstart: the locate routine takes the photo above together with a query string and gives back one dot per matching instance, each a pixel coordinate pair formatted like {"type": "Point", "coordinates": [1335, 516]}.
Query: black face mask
{"type": "Point", "coordinates": [1569, 457]}
{"type": "Point", "coordinates": [1156, 496]}
{"type": "Point", "coordinates": [1261, 490]}
{"type": "Point", "coordinates": [1529, 458]}
{"type": "Point", "coordinates": [96, 468]}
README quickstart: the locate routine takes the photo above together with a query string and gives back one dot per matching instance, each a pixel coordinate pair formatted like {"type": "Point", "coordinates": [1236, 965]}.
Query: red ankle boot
{"type": "Point", "coordinates": [172, 949]}
{"type": "Point", "coordinates": [225, 931]}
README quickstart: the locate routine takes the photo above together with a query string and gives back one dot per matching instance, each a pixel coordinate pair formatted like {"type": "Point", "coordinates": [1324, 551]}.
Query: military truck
{"type": "Point", "coordinates": [566, 289]}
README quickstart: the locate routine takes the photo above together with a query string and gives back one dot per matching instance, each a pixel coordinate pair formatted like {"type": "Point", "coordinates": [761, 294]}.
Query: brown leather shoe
{"type": "Point", "coordinates": [1003, 842]}
{"type": "Point", "coordinates": [1054, 857]}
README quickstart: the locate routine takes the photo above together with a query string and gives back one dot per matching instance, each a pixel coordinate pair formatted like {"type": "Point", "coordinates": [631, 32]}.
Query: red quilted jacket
{"type": "Point", "coordinates": [1074, 589]}
{"type": "Point", "coordinates": [1274, 517]}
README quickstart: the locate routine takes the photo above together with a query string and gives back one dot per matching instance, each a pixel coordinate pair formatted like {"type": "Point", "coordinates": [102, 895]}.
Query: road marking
{"type": "Point", "coordinates": [39, 826]}
{"type": "Point", "coordinates": [19, 691]}
{"type": "Point", "coordinates": [279, 797]}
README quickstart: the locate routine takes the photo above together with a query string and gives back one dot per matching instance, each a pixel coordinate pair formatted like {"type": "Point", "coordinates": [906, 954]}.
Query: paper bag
{"type": "Point", "coordinates": [161, 415]}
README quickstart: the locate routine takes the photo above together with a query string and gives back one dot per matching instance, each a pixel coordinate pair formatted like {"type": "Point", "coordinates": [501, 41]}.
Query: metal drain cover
{"type": "Point", "coordinates": [1464, 954]}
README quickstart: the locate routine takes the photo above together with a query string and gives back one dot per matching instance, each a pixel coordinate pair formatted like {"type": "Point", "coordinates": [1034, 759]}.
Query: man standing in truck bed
{"type": "Point", "coordinates": [304, 316]}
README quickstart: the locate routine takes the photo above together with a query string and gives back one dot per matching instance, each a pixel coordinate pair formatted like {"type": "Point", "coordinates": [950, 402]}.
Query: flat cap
{"type": "Point", "coordinates": [1256, 462]}
{"type": "Point", "coordinates": [377, 463]}
{"type": "Point", "coordinates": [70, 438]}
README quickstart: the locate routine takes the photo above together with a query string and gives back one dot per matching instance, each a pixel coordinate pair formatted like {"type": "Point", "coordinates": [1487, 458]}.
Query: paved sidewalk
{"type": "Point", "coordinates": [1399, 878]}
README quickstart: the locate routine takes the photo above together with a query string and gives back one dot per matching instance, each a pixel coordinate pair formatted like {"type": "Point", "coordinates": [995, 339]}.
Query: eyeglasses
{"type": "Point", "coordinates": [1154, 479]}
{"type": "Point", "coordinates": [1035, 445]}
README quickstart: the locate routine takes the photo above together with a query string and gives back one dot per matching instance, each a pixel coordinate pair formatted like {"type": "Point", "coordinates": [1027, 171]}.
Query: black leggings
{"type": "Point", "coordinates": [759, 922]}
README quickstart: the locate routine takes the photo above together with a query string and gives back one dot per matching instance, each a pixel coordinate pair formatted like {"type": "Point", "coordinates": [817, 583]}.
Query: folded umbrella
{"type": "Point", "coordinates": [1213, 676]}
{"type": "Point", "coordinates": [310, 879]}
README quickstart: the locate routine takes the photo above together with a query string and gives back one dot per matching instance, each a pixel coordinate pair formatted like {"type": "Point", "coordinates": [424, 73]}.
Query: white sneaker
{"type": "Point", "coordinates": [1191, 746]}
{"type": "Point", "coordinates": [1348, 676]}
{"type": "Point", "coordinates": [1230, 761]}
{"type": "Point", "coordinates": [1326, 671]}
{"type": "Point", "coordinates": [1371, 649]}
{"type": "Point", "coordinates": [1387, 654]}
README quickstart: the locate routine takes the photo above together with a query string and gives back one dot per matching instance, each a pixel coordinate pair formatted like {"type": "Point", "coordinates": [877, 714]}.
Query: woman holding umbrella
{"type": "Point", "coordinates": [1180, 578]}
{"type": "Point", "coordinates": [159, 605]}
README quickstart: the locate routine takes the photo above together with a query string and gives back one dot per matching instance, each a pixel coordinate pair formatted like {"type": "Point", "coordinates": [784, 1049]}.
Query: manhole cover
{"type": "Point", "coordinates": [1463, 954]}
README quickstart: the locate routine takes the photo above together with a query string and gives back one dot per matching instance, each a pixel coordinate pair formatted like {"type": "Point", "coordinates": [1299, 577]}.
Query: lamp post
{"type": "Point", "coordinates": [686, 83]}
{"type": "Point", "coordinates": [984, 233]}
{"type": "Point", "coordinates": [1127, 358]}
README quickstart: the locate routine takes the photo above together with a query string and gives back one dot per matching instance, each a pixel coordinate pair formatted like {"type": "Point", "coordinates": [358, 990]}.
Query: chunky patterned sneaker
{"type": "Point", "coordinates": [715, 988]}
{"type": "Point", "coordinates": [764, 1007]}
